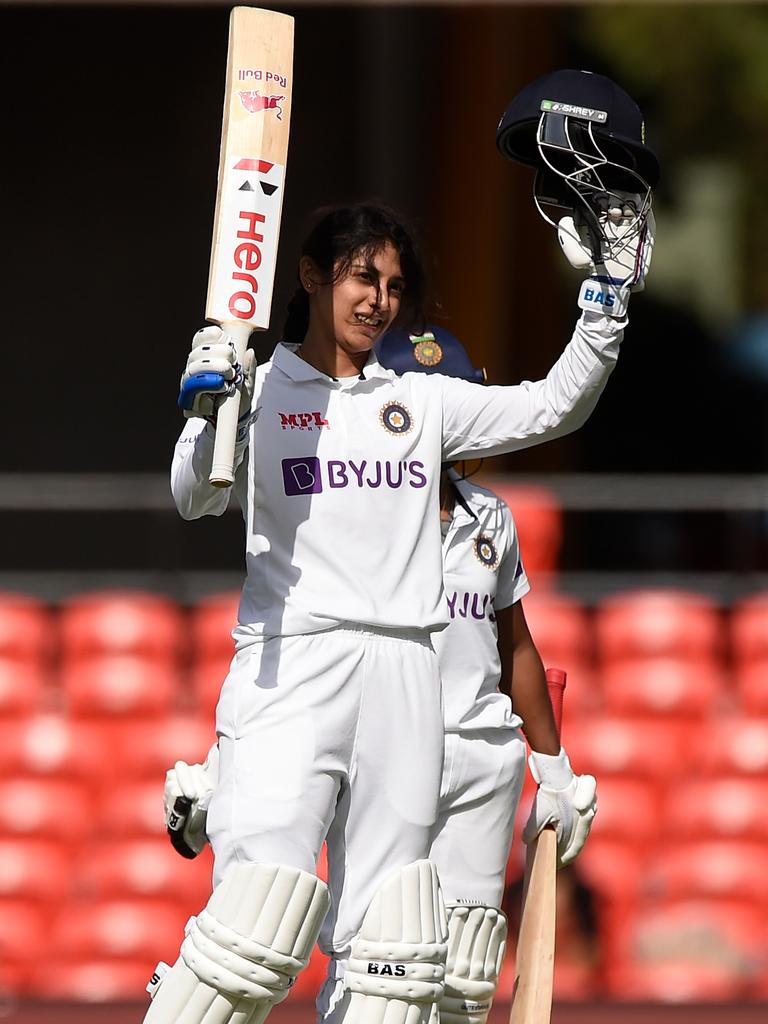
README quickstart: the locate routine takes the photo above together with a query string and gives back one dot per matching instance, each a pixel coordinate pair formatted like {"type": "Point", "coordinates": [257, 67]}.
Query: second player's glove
{"type": "Point", "coordinates": [188, 791]}
{"type": "Point", "coordinates": [617, 255]}
{"type": "Point", "coordinates": [212, 372]}
{"type": "Point", "coordinates": [564, 800]}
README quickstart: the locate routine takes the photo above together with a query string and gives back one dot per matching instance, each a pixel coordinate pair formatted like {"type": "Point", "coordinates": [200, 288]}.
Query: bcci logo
{"type": "Point", "coordinates": [485, 552]}
{"type": "Point", "coordinates": [426, 350]}
{"type": "Point", "coordinates": [395, 418]}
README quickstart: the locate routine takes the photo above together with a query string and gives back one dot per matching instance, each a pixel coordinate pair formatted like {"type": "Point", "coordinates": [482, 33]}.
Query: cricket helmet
{"type": "Point", "coordinates": [435, 350]}
{"type": "Point", "coordinates": [585, 137]}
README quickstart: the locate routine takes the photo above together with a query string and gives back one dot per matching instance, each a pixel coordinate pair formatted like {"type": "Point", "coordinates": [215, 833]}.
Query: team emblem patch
{"type": "Point", "coordinates": [485, 552]}
{"type": "Point", "coordinates": [395, 418]}
{"type": "Point", "coordinates": [427, 351]}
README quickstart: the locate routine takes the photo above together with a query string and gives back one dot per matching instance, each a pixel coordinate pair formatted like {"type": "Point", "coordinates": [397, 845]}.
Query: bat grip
{"type": "Point", "coordinates": [556, 678]}
{"type": "Point", "coordinates": [223, 466]}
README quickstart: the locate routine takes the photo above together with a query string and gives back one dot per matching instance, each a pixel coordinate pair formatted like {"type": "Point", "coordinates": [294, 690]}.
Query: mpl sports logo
{"type": "Point", "coordinates": [311, 476]}
{"type": "Point", "coordinates": [302, 420]}
{"type": "Point", "coordinates": [244, 260]}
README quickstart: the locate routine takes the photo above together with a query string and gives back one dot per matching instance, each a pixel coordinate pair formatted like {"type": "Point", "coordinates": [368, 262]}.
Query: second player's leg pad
{"type": "Point", "coordinates": [400, 951]}
{"type": "Point", "coordinates": [476, 943]}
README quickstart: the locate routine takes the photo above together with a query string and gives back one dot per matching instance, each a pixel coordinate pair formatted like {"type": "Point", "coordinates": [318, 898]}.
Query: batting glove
{"type": "Point", "coordinates": [212, 372]}
{"type": "Point", "coordinates": [188, 791]}
{"type": "Point", "coordinates": [618, 260]}
{"type": "Point", "coordinates": [564, 800]}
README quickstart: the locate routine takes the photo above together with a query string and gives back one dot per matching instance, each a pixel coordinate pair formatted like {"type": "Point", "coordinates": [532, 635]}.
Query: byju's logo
{"type": "Point", "coordinates": [302, 476]}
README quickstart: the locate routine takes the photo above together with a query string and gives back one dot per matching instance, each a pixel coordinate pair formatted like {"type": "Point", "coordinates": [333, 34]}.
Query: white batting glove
{"type": "Point", "coordinates": [212, 372]}
{"type": "Point", "coordinates": [565, 800]}
{"type": "Point", "coordinates": [187, 793]}
{"type": "Point", "coordinates": [620, 267]}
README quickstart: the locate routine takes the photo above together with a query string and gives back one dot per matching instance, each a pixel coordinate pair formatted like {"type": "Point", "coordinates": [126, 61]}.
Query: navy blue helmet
{"type": "Point", "coordinates": [436, 350]}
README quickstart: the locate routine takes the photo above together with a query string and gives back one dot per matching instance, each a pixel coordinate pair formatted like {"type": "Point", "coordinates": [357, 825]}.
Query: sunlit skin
{"type": "Point", "coordinates": [347, 318]}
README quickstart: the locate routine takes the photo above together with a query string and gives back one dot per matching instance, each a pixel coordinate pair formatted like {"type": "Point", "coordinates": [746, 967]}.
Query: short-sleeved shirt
{"type": "Point", "coordinates": [482, 573]}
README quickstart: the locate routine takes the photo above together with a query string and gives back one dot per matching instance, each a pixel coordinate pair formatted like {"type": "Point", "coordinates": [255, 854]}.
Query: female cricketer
{"type": "Point", "coordinates": [330, 720]}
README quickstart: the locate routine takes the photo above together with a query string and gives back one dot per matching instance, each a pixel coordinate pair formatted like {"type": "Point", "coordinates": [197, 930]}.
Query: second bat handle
{"type": "Point", "coordinates": [556, 685]}
{"type": "Point", "coordinates": [223, 467]}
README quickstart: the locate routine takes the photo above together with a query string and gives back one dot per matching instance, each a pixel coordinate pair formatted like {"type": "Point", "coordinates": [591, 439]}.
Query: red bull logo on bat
{"type": "Point", "coordinates": [254, 102]}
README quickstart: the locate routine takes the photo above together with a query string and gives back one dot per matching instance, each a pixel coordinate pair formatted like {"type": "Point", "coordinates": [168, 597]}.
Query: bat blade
{"type": "Point", "coordinates": [535, 961]}
{"type": "Point", "coordinates": [534, 968]}
{"type": "Point", "coordinates": [249, 199]}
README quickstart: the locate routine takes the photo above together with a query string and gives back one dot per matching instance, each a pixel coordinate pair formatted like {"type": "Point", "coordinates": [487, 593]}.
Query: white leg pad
{"type": "Point", "coordinates": [477, 938]}
{"type": "Point", "coordinates": [243, 952]}
{"type": "Point", "coordinates": [396, 967]}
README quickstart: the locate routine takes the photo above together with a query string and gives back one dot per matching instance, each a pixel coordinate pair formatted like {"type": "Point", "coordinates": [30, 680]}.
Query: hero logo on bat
{"type": "Point", "coordinates": [251, 201]}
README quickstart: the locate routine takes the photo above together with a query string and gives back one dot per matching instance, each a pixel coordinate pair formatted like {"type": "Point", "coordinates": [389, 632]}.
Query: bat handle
{"type": "Point", "coordinates": [556, 678]}
{"type": "Point", "coordinates": [222, 470]}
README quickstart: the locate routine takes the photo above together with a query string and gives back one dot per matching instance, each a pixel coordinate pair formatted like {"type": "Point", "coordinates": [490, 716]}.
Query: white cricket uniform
{"type": "Point", "coordinates": [484, 760]}
{"type": "Point", "coordinates": [330, 720]}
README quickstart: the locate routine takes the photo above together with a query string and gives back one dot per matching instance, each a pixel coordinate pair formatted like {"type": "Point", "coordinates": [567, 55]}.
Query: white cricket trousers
{"type": "Point", "coordinates": [483, 774]}
{"type": "Point", "coordinates": [337, 734]}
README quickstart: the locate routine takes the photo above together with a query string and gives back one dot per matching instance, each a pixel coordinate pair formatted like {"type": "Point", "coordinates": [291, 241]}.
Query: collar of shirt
{"type": "Point", "coordinates": [286, 359]}
{"type": "Point", "coordinates": [462, 510]}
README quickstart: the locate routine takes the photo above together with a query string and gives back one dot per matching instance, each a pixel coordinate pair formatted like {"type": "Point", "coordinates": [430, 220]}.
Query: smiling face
{"type": "Point", "coordinates": [347, 316]}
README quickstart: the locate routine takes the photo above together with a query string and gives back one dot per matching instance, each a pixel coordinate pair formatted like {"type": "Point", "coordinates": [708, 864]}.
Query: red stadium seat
{"type": "Point", "coordinates": [24, 931]}
{"type": "Point", "coordinates": [125, 929]}
{"type": "Point", "coordinates": [57, 808]}
{"type": "Point", "coordinates": [658, 624]}
{"type": "Point", "coordinates": [22, 687]}
{"type": "Point", "coordinates": [752, 686]}
{"type": "Point", "coordinates": [136, 812]}
{"type": "Point", "coordinates": [124, 623]}
{"type": "Point", "coordinates": [538, 517]}
{"type": "Point", "coordinates": [146, 749]}
{"type": "Point", "coordinates": [92, 980]}
{"type": "Point", "coordinates": [147, 867]}
{"type": "Point", "coordinates": [207, 678]}
{"type": "Point", "coordinates": [50, 744]}
{"type": "Point", "coordinates": [562, 630]}
{"type": "Point", "coordinates": [35, 870]}
{"type": "Point", "coordinates": [663, 686]}
{"type": "Point", "coordinates": [687, 951]}
{"type": "Point", "coordinates": [749, 629]}
{"type": "Point", "coordinates": [628, 809]}
{"type": "Point", "coordinates": [711, 869]}
{"type": "Point", "coordinates": [212, 622]}
{"type": "Point", "coordinates": [26, 629]}
{"type": "Point", "coordinates": [126, 685]}
{"type": "Point", "coordinates": [734, 744]}
{"type": "Point", "coordinates": [614, 869]}
{"type": "Point", "coordinates": [642, 747]}
{"type": "Point", "coordinates": [733, 807]}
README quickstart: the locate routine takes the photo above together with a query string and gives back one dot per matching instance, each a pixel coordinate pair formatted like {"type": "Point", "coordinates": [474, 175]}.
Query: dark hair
{"type": "Point", "coordinates": [340, 233]}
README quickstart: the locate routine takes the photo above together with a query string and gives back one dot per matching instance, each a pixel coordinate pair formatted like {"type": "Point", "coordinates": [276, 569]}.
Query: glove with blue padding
{"type": "Point", "coordinates": [617, 252]}
{"type": "Point", "coordinates": [212, 372]}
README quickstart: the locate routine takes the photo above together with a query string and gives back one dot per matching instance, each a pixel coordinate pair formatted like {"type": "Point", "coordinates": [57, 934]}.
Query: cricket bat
{"type": "Point", "coordinates": [535, 962]}
{"type": "Point", "coordinates": [249, 198]}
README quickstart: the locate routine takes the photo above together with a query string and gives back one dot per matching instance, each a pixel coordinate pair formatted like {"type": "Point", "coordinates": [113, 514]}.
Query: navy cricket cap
{"type": "Point", "coordinates": [434, 351]}
{"type": "Point", "coordinates": [615, 118]}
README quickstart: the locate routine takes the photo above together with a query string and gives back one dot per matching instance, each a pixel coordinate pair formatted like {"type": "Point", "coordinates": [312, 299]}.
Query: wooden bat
{"type": "Point", "coordinates": [535, 962]}
{"type": "Point", "coordinates": [249, 199]}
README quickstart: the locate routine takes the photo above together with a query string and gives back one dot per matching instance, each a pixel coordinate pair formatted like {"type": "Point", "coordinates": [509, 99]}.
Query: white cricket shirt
{"type": "Point", "coordinates": [482, 573]}
{"type": "Point", "coordinates": [339, 481]}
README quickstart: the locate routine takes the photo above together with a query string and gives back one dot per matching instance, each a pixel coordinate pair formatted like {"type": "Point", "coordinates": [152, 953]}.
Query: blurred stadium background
{"type": "Point", "coordinates": [645, 534]}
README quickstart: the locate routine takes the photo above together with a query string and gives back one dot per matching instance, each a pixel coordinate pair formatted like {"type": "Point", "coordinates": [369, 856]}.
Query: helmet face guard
{"type": "Point", "coordinates": [583, 173]}
{"type": "Point", "coordinates": [585, 137]}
